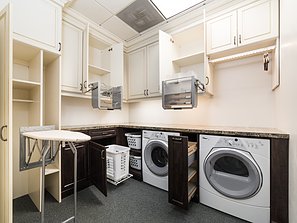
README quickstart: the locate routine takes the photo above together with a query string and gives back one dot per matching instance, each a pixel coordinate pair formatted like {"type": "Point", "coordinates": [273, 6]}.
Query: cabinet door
{"type": "Point", "coordinates": [72, 58]}
{"type": "Point", "coordinates": [117, 65]}
{"type": "Point", "coordinates": [67, 169]}
{"type": "Point", "coordinates": [97, 165]}
{"type": "Point", "coordinates": [152, 74]}
{"type": "Point", "coordinates": [137, 73]}
{"type": "Point", "coordinates": [257, 22]}
{"type": "Point", "coordinates": [178, 170]}
{"type": "Point", "coordinates": [38, 21]}
{"type": "Point", "coordinates": [5, 115]}
{"type": "Point", "coordinates": [222, 33]}
{"type": "Point", "coordinates": [165, 57]}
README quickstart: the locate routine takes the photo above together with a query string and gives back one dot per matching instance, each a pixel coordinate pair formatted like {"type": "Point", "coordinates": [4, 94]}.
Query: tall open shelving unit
{"type": "Point", "coordinates": [36, 102]}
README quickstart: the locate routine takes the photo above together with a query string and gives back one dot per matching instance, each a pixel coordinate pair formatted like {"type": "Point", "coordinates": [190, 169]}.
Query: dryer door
{"type": "Point", "coordinates": [156, 157]}
{"type": "Point", "coordinates": [233, 173]}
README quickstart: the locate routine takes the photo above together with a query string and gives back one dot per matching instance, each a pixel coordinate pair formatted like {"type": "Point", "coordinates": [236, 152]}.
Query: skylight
{"type": "Point", "coordinates": [170, 8]}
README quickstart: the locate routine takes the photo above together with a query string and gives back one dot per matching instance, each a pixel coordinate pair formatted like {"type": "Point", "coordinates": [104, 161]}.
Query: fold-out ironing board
{"type": "Point", "coordinates": [60, 136]}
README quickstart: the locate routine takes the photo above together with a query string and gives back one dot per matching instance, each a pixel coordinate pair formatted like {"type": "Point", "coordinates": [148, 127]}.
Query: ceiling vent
{"type": "Point", "coordinates": [140, 15]}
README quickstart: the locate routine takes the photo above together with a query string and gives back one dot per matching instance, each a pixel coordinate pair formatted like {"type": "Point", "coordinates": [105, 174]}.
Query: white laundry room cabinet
{"type": "Point", "coordinates": [249, 24]}
{"type": "Point", "coordinates": [183, 54]}
{"type": "Point", "coordinates": [88, 57]}
{"type": "Point", "coordinates": [143, 72]}
{"type": "Point", "coordinates": [37, 23]}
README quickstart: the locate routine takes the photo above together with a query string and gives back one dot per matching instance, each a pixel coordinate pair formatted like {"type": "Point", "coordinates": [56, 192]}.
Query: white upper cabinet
{"type": "Point", "coordinates": [87, 59]}
{"type": "Point", "coordinates": [247, 25]}
{"type": "Point", "coordinates": [143, 76]}
{"type": "Point", "coordinates": [257, 22]}
{"type": "Point", "coordinates": [38, 23]}
{"type": "Point", "coordinates": [222, 33]}
{"type": "Point", "coordinates": [137, 73]}
{"type": "Point", "coordinates": [183, 55]}
{"type": "Point", "coordinates": [103, 63]}
{"type": "Point", "coordinates": [71, 58]}
{"type": "Point", "coordinates": [152, 76]}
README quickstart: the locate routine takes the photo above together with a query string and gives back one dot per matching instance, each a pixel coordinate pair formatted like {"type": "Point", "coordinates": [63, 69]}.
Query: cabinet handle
{"type": "Point", "coordinates": [177, 139]}
{"type": "Point", "coordinates": [239, 38]}
{"type": "Point", "coordinates": [147, 93]}
{"type": "Point", "coordinates": [144, 93]}
{"type": "Point", "coordinates": [80, 86]}
{"type": "Point", "coordinates": [60, 46]}
{"type": "Point", "coordinates": [207, 80]}
{"type": "Point", "coordinates": [234, 40]}
{"type": "Point", "coordinates": [1, 131]}
{"type": "Point", "coordinates": [102, 157]}
{"type": "Point", "coordinates": [85, 84]}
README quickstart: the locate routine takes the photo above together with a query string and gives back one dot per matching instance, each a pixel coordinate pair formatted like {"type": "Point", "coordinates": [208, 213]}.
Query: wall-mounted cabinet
{"type": "Point", "coordinates": [250, 24]}
{"type": "Point", "coordinates": [183, 55]}
{"type": "Point", "coordinates": [143, 72]}
{"type": "Point", "coordinates": [86, 59]}
{"type": "Point", "coordinates": [72, 38]}
{"type": "Point", "coordinates": [37, 22]}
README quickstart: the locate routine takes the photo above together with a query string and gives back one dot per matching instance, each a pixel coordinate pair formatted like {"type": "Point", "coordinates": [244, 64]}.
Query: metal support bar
{"type": "Point", "coordinates": [43, 182]}
{"type": "Point", "coordinates": [72, 146]}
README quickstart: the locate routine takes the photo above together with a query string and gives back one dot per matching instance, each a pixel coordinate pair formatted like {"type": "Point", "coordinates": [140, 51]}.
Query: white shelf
{"type": "Point", "coordinates": [50, 170]}
{"type": "Point", "coordinates": [98, 70]}
{"type": "Point", "coordinates": [22, 100]}
{"type": "Point", "coordinates": [25, 85]}
{"type": "Point", "coordinates": [190, 59]}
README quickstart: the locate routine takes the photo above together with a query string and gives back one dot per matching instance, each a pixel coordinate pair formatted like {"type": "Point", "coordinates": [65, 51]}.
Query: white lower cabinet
{"type": "Point", "coordinates": [143, 72]}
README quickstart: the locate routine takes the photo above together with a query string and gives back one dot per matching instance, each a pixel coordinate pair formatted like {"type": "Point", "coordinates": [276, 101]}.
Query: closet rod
{"type": "Point", "coordinates": [243, 55]}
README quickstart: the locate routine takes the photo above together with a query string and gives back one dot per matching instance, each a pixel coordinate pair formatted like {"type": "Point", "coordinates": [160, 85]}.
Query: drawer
{"type": "Point", "coordinates": [101, 134]}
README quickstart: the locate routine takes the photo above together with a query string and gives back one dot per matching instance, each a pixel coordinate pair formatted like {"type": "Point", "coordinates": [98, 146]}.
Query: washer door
{"type": "Point", "coordinates": [233, 173]}
{"type": "Point", "coordinates": [156, 157]}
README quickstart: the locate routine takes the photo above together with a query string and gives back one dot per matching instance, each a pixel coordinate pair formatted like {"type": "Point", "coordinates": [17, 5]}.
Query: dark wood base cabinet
{"type": "Point", "coordinates": [67, 169]}
{"type": "Point", "coordinates": [182, 171]}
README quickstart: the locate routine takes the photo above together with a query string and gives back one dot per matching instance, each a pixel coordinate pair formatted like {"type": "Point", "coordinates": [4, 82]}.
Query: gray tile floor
{"type": "Point", "coordinates": [130, 201]}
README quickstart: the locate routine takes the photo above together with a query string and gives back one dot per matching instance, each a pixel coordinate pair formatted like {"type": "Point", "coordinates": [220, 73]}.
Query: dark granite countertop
{"type": "Point", "coordinates": [201, 129]}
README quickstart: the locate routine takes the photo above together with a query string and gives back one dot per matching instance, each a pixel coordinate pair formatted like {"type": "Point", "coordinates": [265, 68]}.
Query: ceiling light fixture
{"type": "Point", "coordinates": [170, 8]}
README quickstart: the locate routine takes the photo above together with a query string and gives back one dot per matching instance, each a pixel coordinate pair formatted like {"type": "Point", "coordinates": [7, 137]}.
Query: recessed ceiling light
{"type": "Point", "coordinates": [170, 8]}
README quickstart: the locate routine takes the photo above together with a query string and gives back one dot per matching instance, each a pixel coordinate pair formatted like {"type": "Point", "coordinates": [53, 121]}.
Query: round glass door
{"type": "Point", "coordinates": [233, 173]}
{"type": "Point", "coordinates": [156, 157]}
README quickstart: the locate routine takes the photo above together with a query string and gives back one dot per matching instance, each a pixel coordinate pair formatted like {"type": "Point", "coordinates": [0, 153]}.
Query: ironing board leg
{"type": "Point", "coordinates": [45, 150]}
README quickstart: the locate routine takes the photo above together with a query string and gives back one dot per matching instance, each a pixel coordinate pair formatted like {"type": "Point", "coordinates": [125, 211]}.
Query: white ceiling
{"type": "Point", "coordinates": [110, 14]}
{"type": "Point", "coordinates": [103, 12]}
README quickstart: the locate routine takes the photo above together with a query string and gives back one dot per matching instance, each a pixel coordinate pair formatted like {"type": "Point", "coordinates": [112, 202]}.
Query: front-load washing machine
{"type": "Point", "coordinates": [235, 176]}
{"type": "Point", "coordinates": [155, 158]}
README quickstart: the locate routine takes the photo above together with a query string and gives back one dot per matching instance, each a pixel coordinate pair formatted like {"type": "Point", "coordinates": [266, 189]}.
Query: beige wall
{"type": "Point", "coordinates": [242, 97]}
{"type": "Point", "coordinates": [285, 95]}
{"type": "Point", "coordinates": [76, 111]}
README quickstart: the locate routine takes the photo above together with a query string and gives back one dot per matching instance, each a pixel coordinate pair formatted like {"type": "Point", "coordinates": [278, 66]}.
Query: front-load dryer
{"type": "Point", "coordinates": [235, 176]}
{"type": "Point", "coordinates": [155, 158]}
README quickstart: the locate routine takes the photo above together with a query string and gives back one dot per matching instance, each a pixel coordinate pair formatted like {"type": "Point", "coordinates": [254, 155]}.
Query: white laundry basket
{"type": "Point", "coordinates": [117, 162]}
{"type": "Point", "coordinates": [135, 162]}
{"type": "Point", "coordinates": [134, 140]}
